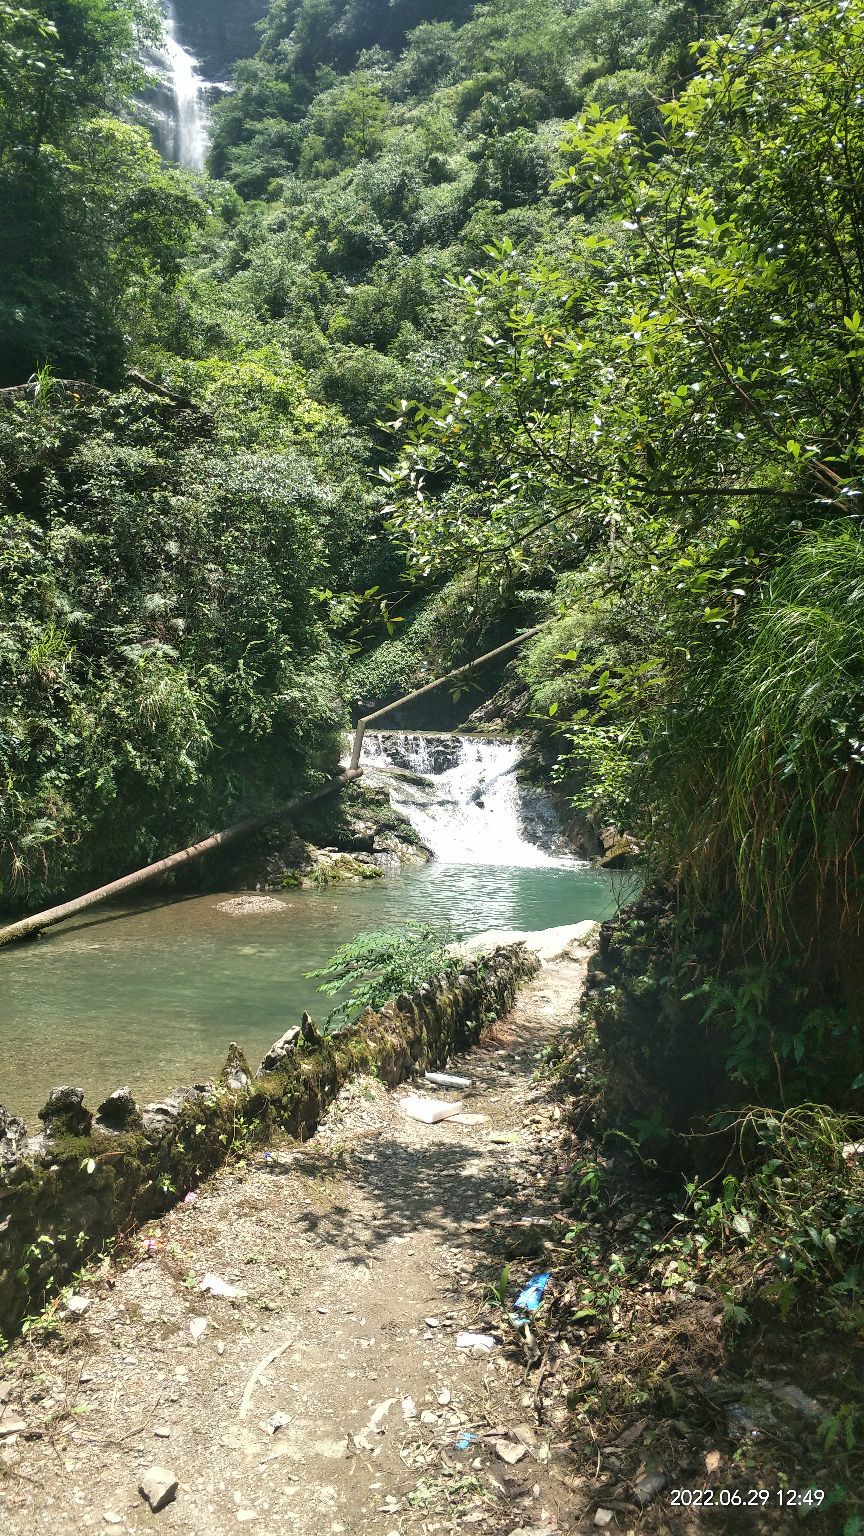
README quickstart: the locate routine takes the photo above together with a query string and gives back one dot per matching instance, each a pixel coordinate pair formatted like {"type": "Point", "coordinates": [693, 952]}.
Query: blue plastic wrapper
{"type": "Point", "coordinates": [530, 1298]}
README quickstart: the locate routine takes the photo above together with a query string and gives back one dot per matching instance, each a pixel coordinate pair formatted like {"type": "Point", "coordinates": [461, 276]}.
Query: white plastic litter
{"type": "Point", "coordinates": [474, 1341]}
{"type": "Point", "coordinates": [77, 1305]}
{"type": "Point", "coordinates": [447, 1080]}
{"type": "Point", "coordinates": [219, 1287]}
{"type": "Point", "coordinates": [430, 1111]}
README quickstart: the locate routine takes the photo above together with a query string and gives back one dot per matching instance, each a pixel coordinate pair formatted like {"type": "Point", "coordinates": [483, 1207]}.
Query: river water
{"type": "Point", "coordinates": [151, 995]}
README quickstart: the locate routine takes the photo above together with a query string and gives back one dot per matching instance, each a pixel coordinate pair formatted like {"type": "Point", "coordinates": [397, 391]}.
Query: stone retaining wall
{"type": "Point", "coordinates": [84, 1180]}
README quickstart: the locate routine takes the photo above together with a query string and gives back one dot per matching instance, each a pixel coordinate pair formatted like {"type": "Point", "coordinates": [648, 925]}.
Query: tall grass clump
{"type": "Point", "coordinates": [759, 773]}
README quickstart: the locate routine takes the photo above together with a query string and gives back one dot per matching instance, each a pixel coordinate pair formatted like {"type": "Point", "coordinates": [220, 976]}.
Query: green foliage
{"type": "Point", "coordinates": [794, 1209]}
{"type": "Point", "coordinates": [498, 1289]}
{"type": "Point", "coordinates": [772, 797]}
{"type": "Point", "coordinates": [376, 966]}
{"type": "Point", "coordinates": [669, 403]}
{"type": "Point", "coordinates": [161, 663]}
{"type": "Point", "coordinates": [156, 633]}
{"type": "Point", "coordinates": [439, 632]}
{"type": "Point", "coordinates": [93, 224]}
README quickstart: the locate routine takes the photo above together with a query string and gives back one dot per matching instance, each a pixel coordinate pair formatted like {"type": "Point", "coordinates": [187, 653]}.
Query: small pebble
{"type": "Point", "coordinates": [509, 1452]}
{"type": "Point", "coordinates": [158, 1487]}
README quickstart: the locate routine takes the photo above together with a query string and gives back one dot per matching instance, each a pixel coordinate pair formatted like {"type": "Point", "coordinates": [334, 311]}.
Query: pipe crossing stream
{"type": "Point", "coordinates": [150, 994]}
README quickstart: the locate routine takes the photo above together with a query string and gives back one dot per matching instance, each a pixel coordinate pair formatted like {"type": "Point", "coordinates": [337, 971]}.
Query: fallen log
{"type": "Point", "coordinates": [29, 926]}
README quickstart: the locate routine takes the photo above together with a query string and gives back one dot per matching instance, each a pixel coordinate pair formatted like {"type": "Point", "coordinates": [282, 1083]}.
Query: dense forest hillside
{"type": "Point", "coordinates": [365, 161]}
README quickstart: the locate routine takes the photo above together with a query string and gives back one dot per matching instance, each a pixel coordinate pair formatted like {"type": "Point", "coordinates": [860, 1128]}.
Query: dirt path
{"type": "Point", "coordinates": [330, 1396]}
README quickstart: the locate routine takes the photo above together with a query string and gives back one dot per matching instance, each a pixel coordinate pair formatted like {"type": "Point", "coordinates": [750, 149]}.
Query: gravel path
{"type": "Point", "coordinates": [329, 1395]}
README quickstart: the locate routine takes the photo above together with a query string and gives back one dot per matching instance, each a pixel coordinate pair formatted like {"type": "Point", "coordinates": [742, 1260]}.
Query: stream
{"type": "Point", "coordinates": [150, 995]}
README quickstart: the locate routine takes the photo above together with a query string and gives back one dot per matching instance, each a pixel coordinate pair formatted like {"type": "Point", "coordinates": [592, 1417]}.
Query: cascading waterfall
{"type": "Point", "coordinates": [190, 136]}
{"type": "Point", "coordinates": [176, 103]}
{"type": "Point", "coordinates": [461, 795]}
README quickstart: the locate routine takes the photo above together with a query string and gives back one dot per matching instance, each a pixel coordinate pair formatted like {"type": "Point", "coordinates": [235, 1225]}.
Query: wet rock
{"type": "Point", "coordinates": [331, 865]}
{"type": "Point", "coordinates": [157, 1117]}
{"type": "Point", "coordinates": [429, 754]}
{"type": "Point", "coordinates": [64, 1114]}
{"type": "Point", "coordinates": [118, 1112]}
{"type": "Point", "coordinates": [279, 1051]}
{"type": "Point", "coordinates": [540, 820]}
{"type": "Point", "coordinates": [360, 842]}
{"type": "Point", "coordinates": [236, 1073]}
{"type": "Point", "coordinates": [310, 1031]}
{"type": "Point", "coordinates": [158, 1487]}
{"type": "Point", "coordinates": [13, 1134]}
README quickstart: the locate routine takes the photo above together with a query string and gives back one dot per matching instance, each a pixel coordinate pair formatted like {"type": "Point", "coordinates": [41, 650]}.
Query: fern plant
{"type": "Point", "coordinates": [376, 965]}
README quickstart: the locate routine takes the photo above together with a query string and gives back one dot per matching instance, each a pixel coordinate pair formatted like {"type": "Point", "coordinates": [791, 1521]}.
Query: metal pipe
{"type": "Point", "coordinates": [32, 925]}
{"type": "Point", "coordinates": [418, 693]}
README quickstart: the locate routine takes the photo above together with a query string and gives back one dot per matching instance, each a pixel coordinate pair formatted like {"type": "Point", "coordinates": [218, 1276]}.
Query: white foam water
{"type": "Point", "coordinates": [190, 134]}
{"type": "Point", "coordinates": [469, 811]}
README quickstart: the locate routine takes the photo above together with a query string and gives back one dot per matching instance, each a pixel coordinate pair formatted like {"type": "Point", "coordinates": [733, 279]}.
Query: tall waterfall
{"type": "Point", "coordinates": [190, 138]}
{"type": "Point", "coordinates": [461, 795]}
{"type": "Point", "coordinates": [176, 103]}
